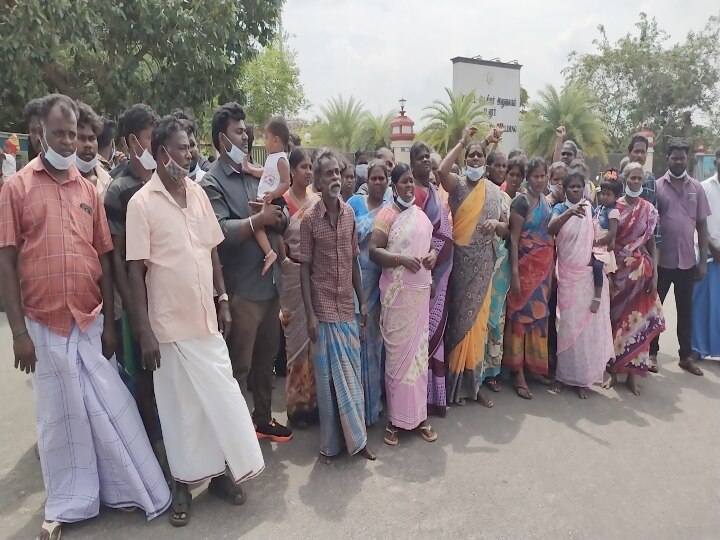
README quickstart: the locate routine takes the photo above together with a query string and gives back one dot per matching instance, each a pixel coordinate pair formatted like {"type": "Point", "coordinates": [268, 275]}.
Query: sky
{"type": "Point", "coordinates": [380, 51]}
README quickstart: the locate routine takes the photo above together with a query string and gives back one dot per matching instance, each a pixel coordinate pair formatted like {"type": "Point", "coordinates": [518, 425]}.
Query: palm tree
{"type": "Point", "coordinates": [341, 125]}
{"type": "Point", "coordinates": [575, 108]}
{"type": "Point", "coordinates": [446, 120]}
{"type": "Point", "coordinates": [377, 130]}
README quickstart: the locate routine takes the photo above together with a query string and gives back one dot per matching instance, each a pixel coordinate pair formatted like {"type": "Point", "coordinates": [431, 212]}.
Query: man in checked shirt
{"type": "Point", "coordinates": [57, 289]}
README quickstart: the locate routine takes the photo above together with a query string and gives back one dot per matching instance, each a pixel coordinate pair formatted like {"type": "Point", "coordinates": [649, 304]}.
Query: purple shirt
{"type": "Point", "coordinates": [679, 213]}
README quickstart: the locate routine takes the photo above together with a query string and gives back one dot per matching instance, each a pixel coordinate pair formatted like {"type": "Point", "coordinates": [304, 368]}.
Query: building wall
{"type": "Point", "coordinates": [499, 84]}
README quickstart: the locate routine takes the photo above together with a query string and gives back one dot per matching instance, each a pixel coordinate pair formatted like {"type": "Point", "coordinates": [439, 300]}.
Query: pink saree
{"type": "Point", "coordinates": [405, 319]}
{"type": "Point", "coordinates": [585, 343]}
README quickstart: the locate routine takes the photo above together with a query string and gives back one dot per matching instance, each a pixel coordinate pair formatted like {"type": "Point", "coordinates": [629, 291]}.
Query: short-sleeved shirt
{"type": "Point", "coordinates": [60, 231]}
{"type": "Point", "coordinates": [604, 214]}
{"type": "Point", "coordinates": [331, 252]}
{"type": "Point", "coordinates": [679, 213]}
{"type": "Point", "coordinates": [176, 245]}
{"type": "Point", "coordinates": [230, 192]}
{"type": "Point", "coordinates": [118, 195]}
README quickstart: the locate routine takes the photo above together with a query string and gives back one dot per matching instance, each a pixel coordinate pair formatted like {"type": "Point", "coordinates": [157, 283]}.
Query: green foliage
{"type": "Point", "coordinates": [341, 124]}
{"type": "Point", "coordinates": [271, 84]}
{"type": "Point", "coordinates": [641, 81]}
{"type": "Point", "coordinates": [447, 119]}
{"type": "Point", "coordinates": [574, 108]}
{"type": "Point", "coordinates": [377, 130]}
{"type": "Point", "coordinates": [524, 100]}
{"type": "Point", "coordinates": [115, 53]}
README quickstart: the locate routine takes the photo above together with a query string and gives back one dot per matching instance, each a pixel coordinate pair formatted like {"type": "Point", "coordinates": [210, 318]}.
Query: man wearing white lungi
{"type": "Point", "coordinates": [171, 240]}
{"type": "Point", "coordinates": [57, 290]}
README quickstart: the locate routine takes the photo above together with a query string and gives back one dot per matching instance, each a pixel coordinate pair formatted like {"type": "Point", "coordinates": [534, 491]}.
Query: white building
{"type": "Point", "coordinates": [497, 83]}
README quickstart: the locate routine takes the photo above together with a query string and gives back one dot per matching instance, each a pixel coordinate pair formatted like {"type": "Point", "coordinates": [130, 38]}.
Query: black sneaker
{"type": "Point", "coordinates": [273, 431]}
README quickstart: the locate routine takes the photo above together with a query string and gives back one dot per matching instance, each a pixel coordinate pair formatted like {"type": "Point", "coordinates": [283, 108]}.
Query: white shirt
{"type": "Point", "coordinates": [712, 190]}
{"type": "Point", "coordinates": [270, 179]}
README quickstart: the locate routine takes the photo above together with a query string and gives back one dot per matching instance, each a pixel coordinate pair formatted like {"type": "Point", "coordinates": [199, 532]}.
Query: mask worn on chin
{"type": "Point", "coordinates": [175, 171]}
{"type": "Point", "coordinates": [474, 173]}
{"type": "Point", "coordinates": [56, 161]}
{"type": "Point", "coordinates": [361, 171]}
{"type": "Point", "coordinates": [630, 193]}
{"type": "Point", "coordinates": [193, 173]}
{"type": "Point", "coordinates": [236, 154]}
{"type": "Point", "coordinates": [403, 204]}
{"type": "Point", "coordinates": [86, 166]}
{"type": "Point", "coordinates": [681, 175]}
{"type": "Point", "coordinates": [146, 160]}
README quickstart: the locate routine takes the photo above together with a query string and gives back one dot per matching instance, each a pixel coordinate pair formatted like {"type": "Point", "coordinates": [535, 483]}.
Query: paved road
{"type": "Point", "coordinates": [614, 466]}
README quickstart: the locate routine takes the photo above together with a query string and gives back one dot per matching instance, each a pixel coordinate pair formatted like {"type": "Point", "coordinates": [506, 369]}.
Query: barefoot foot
{"type": "Point", "coordinates": [324, 460]}
{"type": "Point", "coordinates": [632, 385]}
{"type": "Point", "coordinates": [555, 387]}
{"type": "Point", "coordinates": [609, 382]}
{"type": "Point", "coordinates": [484, 400]}
{"type": "Point", "coordinates": [367, 454]}
{"type": "Point", "coordinates": [582, 392]}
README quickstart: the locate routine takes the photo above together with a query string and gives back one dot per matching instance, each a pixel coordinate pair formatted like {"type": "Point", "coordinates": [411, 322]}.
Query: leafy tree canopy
{"type": "Point", "coordinates": [115, 53]}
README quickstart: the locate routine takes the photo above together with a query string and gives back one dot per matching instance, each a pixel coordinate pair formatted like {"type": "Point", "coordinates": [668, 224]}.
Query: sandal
{"type": "Point", "coordinates": [523, 392]}
{"type": "Point", "coordinates": [653, 364]}
{"type": "Point", "coordinates": [391, 436]}
{"type": "Point", "coordinates": [427, 433]}
{"type": "Point", "coordinates": [493, 384]}
{"type": "Point", "coordinates": [224, 488]}
{"type": "Point", "coordinates": [180, 506]}
{"type": "Point", "coordinates": [690, 367]}
{"type": "Point", "coordinates": [51, 527]}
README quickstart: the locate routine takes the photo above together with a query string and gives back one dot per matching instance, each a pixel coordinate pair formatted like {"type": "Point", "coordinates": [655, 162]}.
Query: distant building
{"type": "Point", "coordinates": [402, 133]}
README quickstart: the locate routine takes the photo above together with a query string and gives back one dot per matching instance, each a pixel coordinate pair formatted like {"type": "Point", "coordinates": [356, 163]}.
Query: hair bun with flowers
{"type": "Point", "coordinates": [611, 175]}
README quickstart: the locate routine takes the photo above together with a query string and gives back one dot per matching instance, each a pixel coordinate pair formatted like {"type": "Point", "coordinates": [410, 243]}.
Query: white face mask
{"type": "Point", "coordinates": [194, 172]}
{"type": "Point", "coordinates": [362, 171]}
{"type": "Point", "coordinates": [630, 193]}
{"type": "Point", "coordinates": [236, 154]}
{"type": "Point", "coordinates": [404, 204]}
{"type": "Point", "coordinates": [9, 165]}
{"type": "Point", "coordinates": [682, 175]}
{"type": "Point", "coordinates": [146, 160]}
{"type": "Point", "coordinates": [474, 173]}
{"type": "Point", "coordinates": [56, 161]}
{"type": "Point", "coordinates": [86, 166]}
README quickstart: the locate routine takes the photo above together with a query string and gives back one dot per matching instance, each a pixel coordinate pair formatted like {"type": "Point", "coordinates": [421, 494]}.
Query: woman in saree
{"type": "Point", "coordinates": [366, 208]}
{"type": "Point", "coordinates": [476, 205]}
{"type": "Point", "coordinates": [401, 244]}
{"type": "Point", "coordinates": [531, 263]}
{"type": "Point", "coordinates": [635, 308]}
{"type": "Point", "coordinates": [428, 199]}
{"type": "Point", "coordinates": [497, 168]}
{"type": "Point", "coordinates": [300, 383]}
{"type": "Point", "coordinates": [584, 336]}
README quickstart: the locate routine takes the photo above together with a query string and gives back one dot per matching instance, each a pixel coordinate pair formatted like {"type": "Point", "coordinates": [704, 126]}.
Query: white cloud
{"type": "Point", "coordinates": [380, 51]}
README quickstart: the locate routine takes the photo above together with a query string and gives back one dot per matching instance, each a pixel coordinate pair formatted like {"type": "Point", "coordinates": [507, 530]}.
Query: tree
{"type": "Point", "coordinates": [640, 81]}
{"type": "Point", "coordinates": [377, 130]}
{"type": "Point", "coordinates": [446, 120]}
{"type": "Point", "coordinates": [574, 108]}
{"type": "Point", "coordinates": [115, 53]}
{"type": "Point", "coordinates": [341, 125]}
{"type": "Point", "coordinates": [271, 84]}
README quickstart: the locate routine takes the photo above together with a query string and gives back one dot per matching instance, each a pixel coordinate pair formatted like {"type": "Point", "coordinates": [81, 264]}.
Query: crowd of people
{"type": "Point", "coordinates": [149, 290]}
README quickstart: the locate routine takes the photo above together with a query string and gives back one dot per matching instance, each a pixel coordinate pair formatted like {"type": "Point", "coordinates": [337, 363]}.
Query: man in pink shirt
{"type": "Point", "coordinates": [683, 208]}
{"type": "Point", "coordinates": [171, 240]}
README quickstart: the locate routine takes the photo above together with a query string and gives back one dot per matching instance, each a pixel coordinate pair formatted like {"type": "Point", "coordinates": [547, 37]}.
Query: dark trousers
{"type": "Point", "coordinates": [253, 344]}
{"type": "Point", "coordinates": [684, 283]}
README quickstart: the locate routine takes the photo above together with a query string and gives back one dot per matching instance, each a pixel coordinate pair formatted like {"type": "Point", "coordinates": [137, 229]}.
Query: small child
{"type": "Point", "coordinates": [274, 182]}
{"type": "Point", "coordinates": [606, 223]}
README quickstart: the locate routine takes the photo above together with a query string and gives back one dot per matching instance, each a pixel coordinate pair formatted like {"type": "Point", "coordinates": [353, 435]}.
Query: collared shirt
{"type": "Point", "coordinates": [103, 181]}
{"type": "Point", "coordinates": [118, 195]}
{"type": "Point", "coordinates": [230, 191]}
{"type": "Point", "coordinates": [711, 186]}
{"type": "Point", "coordinates": [331, 252]}
{"type": "Point", "coordinates": [176, 245]}
{"type": "Point", "coordinates": [679, 213]}
{"type": "Point", "coordinates": [59, 231]}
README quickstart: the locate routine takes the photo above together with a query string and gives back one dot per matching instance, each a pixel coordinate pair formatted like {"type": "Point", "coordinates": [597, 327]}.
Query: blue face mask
{"type": "Point", "coordinates": [474, 173]}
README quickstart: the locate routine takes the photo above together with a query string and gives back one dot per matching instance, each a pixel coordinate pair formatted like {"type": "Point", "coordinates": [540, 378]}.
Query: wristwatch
{"type": "Point", "coordinates": [223, 297]}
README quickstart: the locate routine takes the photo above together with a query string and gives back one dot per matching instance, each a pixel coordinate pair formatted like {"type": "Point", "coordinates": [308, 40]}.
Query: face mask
{"type": "Point", "coordinates": [86, 166]}
{"type": "Point", "coordinates": [630, 193]}
{"type": "Point", "coordinates": [474, 173]}
{"type": "Point", "coordinates": [56, 161]}
{"type": "Point", "coordinates": [362, 171]}
{"type": "Point", "coordinates": [681, 175]}
{"type": "Point", "coordinates": [404, 204]}
{"type": "Point", "coordinates": [235, 153]}
{"type": "Point", "coordinates": [175, 171]}
{"type": "Point", "coordinates": [194, 172]}
{"type": "Point", "coordinates": [146, 160]}
{"type": "Point", "coordinates": [9, 165]}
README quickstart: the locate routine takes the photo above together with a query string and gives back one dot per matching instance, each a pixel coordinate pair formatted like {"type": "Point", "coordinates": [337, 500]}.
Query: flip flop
{"type": "Point", "coordinates": [427, 433]}
{"type": "Point", "coordinates": [391, 436]}
{"type": "Point", "coordinates": [180, 505]}
{"type": "Point", "coordinates": [523, 392]}
{"type": "Point", "coordinates": [691, 368]}
{"type": "Point", "coordinates": [52, 527]}
{"type": "Point", "coordinates": [224, 488]}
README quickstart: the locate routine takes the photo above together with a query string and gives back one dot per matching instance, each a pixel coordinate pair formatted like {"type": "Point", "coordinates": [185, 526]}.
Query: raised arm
{"type": "Point", "coordinates": [559, 140]}
{"type": "Point", "coordinates": [448, 180]}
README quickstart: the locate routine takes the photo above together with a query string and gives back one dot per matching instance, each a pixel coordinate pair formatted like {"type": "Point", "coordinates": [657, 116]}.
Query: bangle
{"type": "Point", "coordinates": [19, 334]}
{"type": "Point", "coordinates": [397, 260]}
{"type": "Point", "coordinates": [252, 228]}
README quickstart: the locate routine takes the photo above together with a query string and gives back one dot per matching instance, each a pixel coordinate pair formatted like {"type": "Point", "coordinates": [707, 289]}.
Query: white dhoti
{"type": "Point", "coordinates": [204, 417]}
{"type": "Point", "coordinates": [92, 443]}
